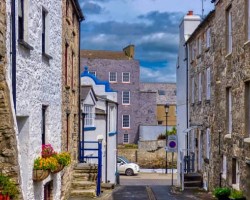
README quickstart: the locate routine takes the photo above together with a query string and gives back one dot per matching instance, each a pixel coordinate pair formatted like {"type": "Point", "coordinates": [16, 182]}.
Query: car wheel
{"type": "Point", "coordinates": [129, 172]}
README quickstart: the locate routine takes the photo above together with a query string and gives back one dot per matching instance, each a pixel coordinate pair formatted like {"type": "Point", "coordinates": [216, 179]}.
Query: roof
{"type": "Point", "coordinates": [103, 54]}
{"type": "Point", "coordinates": [85, 89]}
{"type": "Point", "coordinates": [78, 9]}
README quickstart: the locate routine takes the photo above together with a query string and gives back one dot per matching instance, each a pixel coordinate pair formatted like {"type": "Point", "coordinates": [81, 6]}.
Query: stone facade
{"type": "Point", "coordinates": [71, 18]}
{"type": "Point", "coordinates": [8, 145]}
{"type": "Point", "coordinates": [201, 105]}
{"type": "Point", "coordinates": [119, 62]}
{"type": "Point", "coordinates": [232, 71]}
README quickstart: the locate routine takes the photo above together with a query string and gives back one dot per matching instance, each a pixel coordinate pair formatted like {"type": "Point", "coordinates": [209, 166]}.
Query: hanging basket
{"type": "Point", "coordinates": [39, 175]}
{"type": "Point", "coordinates": [59, 168]}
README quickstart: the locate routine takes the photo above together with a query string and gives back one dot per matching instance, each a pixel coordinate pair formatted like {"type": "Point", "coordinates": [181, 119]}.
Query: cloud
{"type": "Point", "coordinates": [91, 8]}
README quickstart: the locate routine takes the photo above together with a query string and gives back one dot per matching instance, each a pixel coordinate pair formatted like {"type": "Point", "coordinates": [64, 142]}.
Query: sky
{"type": "Point", "coordinates": [151, 25]}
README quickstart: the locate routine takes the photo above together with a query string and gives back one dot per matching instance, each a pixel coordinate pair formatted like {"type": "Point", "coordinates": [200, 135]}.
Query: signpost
{"type": "Point", "coordinates": [172, 147]}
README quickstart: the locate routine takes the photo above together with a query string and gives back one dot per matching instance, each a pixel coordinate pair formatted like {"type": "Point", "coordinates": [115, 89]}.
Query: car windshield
{"type": "Point", "coordinates": [125, 159]}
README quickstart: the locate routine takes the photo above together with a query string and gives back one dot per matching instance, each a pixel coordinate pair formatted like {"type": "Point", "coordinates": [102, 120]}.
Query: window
{"type": "Point", "coordinates": [161, 92]}
{"type": "Point", "coordinates": [20, 19]}
{"type": "Point", "coordinates": [199, 45]}
{"type": "Point", "coordinates": [208, 143]}
{"type": "Point", "coordinates": [208, 84]}
{"type": "Point", "coordinates": [247, 108]}
{"type": "Point", "coordinates": [66, 63]}
{"type": "Point", "coordinates": [224, 167]}
{"type": "Point", "coordinates": [44, 31]}
{"type": "Point", "coordinates": [248, 19]}
{"type": "Point", "coordinates": [125, 121]}
{"type": "Point", "coordinates": [67, 130]}
{"type": "Point", "coordinates": [192, 88]}
{"type": "Point", "coordinates": [112, 118]}
{"type": "Point", "coordinates": [229, 109]}
{"type": "Point", "coordinates": [125, 97]}
{"type": "Point", "coordinates": [235, 172]}
{"type": "Point", "coordinates": [125, 139]}
{"type": "Point", "coordinates": [208, 37]}
{"type": "Point", "coordinates": [126, 77]}
{"type": "Point", "coordinates": [112, 77]}
{"type": "Point", "coordinates": [229, 30]}
{"type": "Point", "coordinates": [93, 73]}
{"type": "Point", "coordinates": [200, 88]}
{"type": "Point", "coordinates": [72, 72]}
{"type": "Point", "coordinates": [44, 124]}
{"type": "Point", "coordinates": [160, 122]}
{"type": "Point", "coordinates": [89, 116]}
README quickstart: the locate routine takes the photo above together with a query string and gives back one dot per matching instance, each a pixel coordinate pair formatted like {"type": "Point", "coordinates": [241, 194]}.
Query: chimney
{"type": "Point", "coordinates": [129, 51]}
{"type": "Point", "coordinates": [190, 12]}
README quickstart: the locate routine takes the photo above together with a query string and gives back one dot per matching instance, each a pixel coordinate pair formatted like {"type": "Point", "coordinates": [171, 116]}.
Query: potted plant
{"type": "Point", "coordinates": [43, 166]}
{"type": "Point", "coordinates": [237, 195]}
{"type": "Point", "coordinates": [222, 193]}
{"type": "Point", "coordinates": [8, 189]}
{"type": "Point", "coordinates": [63, 160]}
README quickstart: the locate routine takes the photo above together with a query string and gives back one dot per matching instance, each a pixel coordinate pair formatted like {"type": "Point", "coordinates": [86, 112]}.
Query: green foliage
{"type": "Point", "coordinates": [8, 187]}
{"type": "Point", "coordinates": [222, 192]}
{"type": "Point", "coordinates": [49, 163]}
{"type": "Point", "coordinates": [235, 194]}
{"type": "Point", "coordinates": [128, 146]}
{"type": "Point", "coordinates": [63, 158]}
{"type": "Point", "coordinates": [172, 132]}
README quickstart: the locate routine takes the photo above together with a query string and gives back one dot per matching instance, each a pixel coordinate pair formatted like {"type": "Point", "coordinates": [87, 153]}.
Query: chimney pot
{"type": "Point", "coordinates": [190, 12]}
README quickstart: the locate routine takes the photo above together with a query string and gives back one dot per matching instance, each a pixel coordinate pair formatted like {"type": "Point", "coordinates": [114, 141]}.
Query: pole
{"type": "Point", "coordinates": [172, 169]}
{"type": "Point", "coordinates": [166, 144]}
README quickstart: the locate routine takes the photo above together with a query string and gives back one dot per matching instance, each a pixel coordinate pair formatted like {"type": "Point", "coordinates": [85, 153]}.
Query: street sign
{"type": "Point", "coordinates": [172, 143]}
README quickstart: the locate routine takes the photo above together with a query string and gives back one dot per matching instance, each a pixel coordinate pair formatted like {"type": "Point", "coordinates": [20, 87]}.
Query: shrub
{"type": "Point", "coordinates": [222, 192]}
{"type": "Point", "coordinates": [236, 194]}
{"type": "Point", "coordinates": [8, 187]}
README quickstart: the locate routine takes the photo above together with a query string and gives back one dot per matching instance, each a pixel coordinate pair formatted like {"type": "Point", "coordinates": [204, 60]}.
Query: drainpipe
{"type": "Point", "coordinates": [117, 173]}
{"type": "Point", "coordinates": [187, 92]}
{"type": "Point", "coordinates": [106, 147]}
{"type": "Point", "coordinates": [13, 53]}
{"type": "Point", "coordinates": [79, 85]}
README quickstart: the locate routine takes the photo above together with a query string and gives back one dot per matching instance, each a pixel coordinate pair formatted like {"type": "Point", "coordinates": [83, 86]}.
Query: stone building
{"type": "Point", "coordinates": [232, 75]}
{"type": "Point", "coordinates": [70, 76]}
{"type": "Point", "coordinates": [123, 73]}
{"type": "Point", "coordinates": [201, 99]}
{"type": "Point", "coordinates": [165, 94]}
{"type": "Point", "coordinates": [8, 146]}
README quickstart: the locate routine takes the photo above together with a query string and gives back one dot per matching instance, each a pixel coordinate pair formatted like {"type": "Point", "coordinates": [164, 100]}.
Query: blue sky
{"type": "Point", "coordinates": [151, 25]}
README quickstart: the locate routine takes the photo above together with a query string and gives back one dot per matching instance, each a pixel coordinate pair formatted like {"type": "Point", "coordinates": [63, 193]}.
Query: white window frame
{"type": "Point", "coordinates": [125, 122]}
{"type": "Point", "coordinates": [113, 79]}
{"type": "Point", "coordinates": [208, 84]}
{"type": "Point", "coordinates": [192, 90]}
{"type": "Point", "coordinates": [229, 31]}
{"type": "Point", "coordinates": [248, 19]}
{"type": "Point", "coordinates": [200, 88]}
{"type": "Point", "coordinates": [125, 99]}
{"type": "Point", "coordinates": [199, 46]}
{"type": "Point", "coordinates": [224, 167]}
{"type": "Point", "coordinates": [229, 100]}
{"type": "Point", "coordinates": [127, 139]}
{"type": "Point", "coordinates": [123, 74]}
{"type": "Point", "coordinates": [208, 143]}
{"type": "Point", "coordinates": [89, 119]}
{"type": "Point", "coordinates": [200, 144]}
{"type": "Point", "coordinates": [208, 37]}
{"type": "Point", "coordinates": [112, 118]}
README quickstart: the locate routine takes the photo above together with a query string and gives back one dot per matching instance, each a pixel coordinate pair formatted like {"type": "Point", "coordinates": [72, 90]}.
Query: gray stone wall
{"type": "Point", "coordinates": [8, 144]}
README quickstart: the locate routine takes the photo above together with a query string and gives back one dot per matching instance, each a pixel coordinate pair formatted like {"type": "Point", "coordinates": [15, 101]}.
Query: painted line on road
{"type": "Point", "coordinates": [150, 193]}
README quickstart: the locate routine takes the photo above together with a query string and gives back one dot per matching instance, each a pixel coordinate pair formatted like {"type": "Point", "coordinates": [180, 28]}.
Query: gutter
{"type": "Point", "coordinates": [13, 53]}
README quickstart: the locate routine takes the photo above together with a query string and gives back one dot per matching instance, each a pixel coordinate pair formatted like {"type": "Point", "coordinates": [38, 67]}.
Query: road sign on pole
{"type": "Point", "coordinates": [172, 143]}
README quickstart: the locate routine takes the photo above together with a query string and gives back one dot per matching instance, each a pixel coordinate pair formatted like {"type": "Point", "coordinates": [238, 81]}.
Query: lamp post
{"type": "Point", "coordinates": [166, 111]}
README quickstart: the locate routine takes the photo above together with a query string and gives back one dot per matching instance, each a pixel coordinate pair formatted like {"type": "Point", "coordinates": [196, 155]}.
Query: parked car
{"type": "Point", "coordinates": [126, 167]}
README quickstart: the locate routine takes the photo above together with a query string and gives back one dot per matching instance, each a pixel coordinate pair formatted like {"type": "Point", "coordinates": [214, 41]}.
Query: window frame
{"type": "Point", "coordinates": [128, 77]}
{"type": "Point", "coordinates": [125, 127]}
{"type": "Point", "coordinates": [199, 87]}
{"type": "Point", "coordinates": [123, 98]}
{"type": "Point", "coordinates": [208, 83]}
{"type": "Point", "coordinates": [89, 119]}
{"type": "Point", "coordinates": [45, 33]}
{"type": "Point", "coordinates": [229, 30]}
{"type": "Point", "coordinates": [126, 138]}
{"type": "Point", "coordinates": [247, 20]}
{"type": "Point", "coordinates": [229, 110]}
{"type": "Point", "coordinates": [110, 76]}
{"type": "Point", "coordinates": [208, 37]}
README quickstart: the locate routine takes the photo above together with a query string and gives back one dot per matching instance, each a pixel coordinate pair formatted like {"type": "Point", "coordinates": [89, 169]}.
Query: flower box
{"type": "Point", "coordinates": [58, 169]}
{"type": "Point", "coordinates": [39, 174]}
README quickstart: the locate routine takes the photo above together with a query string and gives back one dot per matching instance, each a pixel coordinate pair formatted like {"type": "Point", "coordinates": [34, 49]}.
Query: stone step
{"type": "Point", "coordinates": [83, 185]}
{"type": "Point", "coordinates": [83, 193]}
{"type": "Point", "coordinates": [85, 166]}
{"type": "Point", "coordinates": [85, 176]}
{"type": "Point", "coordinates": [192, 183]}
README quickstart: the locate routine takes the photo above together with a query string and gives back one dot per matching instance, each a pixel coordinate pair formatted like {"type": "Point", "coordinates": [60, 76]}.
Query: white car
{"type": "Point", "coordinates": [126, 167]}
